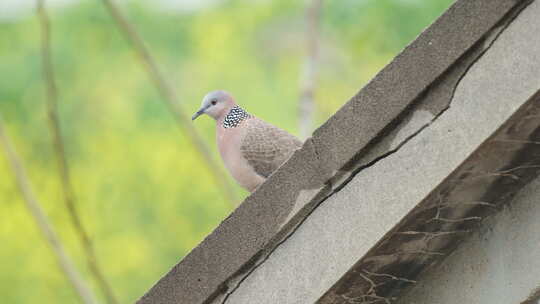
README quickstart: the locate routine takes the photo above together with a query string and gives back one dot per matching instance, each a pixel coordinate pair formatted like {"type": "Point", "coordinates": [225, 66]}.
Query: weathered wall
{"type": "Point", "coordinates": [350, 222]}
{"type": "Point", "coordinates": [499, 264]}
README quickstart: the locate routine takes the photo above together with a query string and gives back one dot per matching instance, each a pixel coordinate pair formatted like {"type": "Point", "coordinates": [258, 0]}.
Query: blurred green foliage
{"type": "Point", "coordinates": [141, 189]}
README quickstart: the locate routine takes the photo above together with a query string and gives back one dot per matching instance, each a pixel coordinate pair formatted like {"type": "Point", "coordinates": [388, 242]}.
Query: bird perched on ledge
{"type": "Point", "coordinates": [250, 148]}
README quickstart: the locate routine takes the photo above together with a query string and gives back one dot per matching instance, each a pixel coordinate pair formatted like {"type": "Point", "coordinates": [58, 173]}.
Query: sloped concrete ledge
{"type": "Point", "coordinates": [355, 138]}
{"type": "Point", "coordinates": [480, 187]}
{"type": "Point", "coordinates": [353, 227]}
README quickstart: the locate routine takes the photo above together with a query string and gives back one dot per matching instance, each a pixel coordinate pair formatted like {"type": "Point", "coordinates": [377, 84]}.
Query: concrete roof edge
{"type": "Point", "coordinates": [402, 253]}
{"type": "Point", "coordinates": [272, 212]}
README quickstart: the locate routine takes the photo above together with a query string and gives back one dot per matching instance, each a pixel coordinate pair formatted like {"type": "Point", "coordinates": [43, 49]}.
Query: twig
{"type": "Point", "coordinates": [306, 108]}
{"type": "Point", "coordinates": [169, 96]}
{"type": "Point", "coordinates": [65, 263]}
{"type": "Point", "coordinates": [59, 147]}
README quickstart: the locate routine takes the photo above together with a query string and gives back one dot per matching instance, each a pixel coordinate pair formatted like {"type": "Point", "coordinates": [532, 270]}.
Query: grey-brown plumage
{"type": "Point", "coordinates": [266, 147]}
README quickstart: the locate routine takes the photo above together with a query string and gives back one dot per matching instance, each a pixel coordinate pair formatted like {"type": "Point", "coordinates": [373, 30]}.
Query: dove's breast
{"type": "Point", "coordinates": [229, 142]}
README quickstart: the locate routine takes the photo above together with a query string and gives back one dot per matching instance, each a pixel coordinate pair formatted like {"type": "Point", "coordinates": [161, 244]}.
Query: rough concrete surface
{"type": "Point", "coordinates": [499, 264]}
{"type": "Point", "coordinates": [250, 236]}
{"type": "Point", "coordinates": [351, 222]}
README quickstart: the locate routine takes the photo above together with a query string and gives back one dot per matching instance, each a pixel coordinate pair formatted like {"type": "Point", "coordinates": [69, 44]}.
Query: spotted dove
{"type": "Point", "coordinates": [250, 148]}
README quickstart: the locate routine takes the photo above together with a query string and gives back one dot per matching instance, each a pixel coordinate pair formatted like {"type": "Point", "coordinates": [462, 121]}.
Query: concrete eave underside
{"type": "Point", "coordinates": [424, 75]}
{"type": "Point", "coordinates": [487, 180]}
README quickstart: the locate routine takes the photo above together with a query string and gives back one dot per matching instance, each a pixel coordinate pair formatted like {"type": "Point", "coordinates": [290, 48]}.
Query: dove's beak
{"type": "Point", "coordinates": [199, 113]}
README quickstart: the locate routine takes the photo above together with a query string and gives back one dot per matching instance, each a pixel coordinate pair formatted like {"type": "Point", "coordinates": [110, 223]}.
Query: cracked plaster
{"type": "Point", "coordinates": [394, 170]}
{"type": "Point", "coordinates": [498, 264]}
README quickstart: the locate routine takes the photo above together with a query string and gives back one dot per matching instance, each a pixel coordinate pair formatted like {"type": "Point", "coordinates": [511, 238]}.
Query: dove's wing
{"type": "Point", "coordinates": [266, 147]}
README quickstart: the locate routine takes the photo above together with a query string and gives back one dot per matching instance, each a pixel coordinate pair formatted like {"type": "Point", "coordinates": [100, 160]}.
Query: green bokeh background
{"type": "Point", "coordinates": [143, 192]}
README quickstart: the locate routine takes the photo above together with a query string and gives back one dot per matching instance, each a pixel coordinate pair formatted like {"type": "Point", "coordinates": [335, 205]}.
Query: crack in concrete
{"type": "Point", "coordinates": [448, 220]}
{"type": "Point", "coordinates": [408, 252]}
{"type": "Point", "coordinates": [371, 296]}
{"type": "Point", "coordinates": [392, 277]}
{"type": "Point", "coordinates": [490, 38]}
{"type": "Point", "coordinates": [503, 173]}
{"type": "Point", "coordinates": [334, 191]}
{"type": "Point", "coordinates": [429, 236]}
{"type": "Point", "coordinates": [453, 205]}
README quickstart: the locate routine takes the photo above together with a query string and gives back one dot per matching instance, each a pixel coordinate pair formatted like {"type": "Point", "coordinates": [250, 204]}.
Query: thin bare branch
{"type": "Point", "coordinates": [306, 108]}
{"type": "Point", "coordinates": [65, 263]}
{"type": "Point", "coordinates": [59, 147]}
{"type": "Point", "coordinates": [169, 96]}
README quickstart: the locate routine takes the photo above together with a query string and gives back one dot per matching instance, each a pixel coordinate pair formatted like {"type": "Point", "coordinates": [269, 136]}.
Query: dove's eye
{"type": "Point", "coordinates": [213, 102]}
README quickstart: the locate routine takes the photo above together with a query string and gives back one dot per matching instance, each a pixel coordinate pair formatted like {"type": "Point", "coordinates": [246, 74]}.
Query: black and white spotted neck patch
{"type": "Point", "coordinates": [235, 116]}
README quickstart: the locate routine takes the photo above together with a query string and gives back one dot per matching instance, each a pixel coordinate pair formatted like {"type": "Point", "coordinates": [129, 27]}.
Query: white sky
{"type": "Point", "coordinates": [13, 9]}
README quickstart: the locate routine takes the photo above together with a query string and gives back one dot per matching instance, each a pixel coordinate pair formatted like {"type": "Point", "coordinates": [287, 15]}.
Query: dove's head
{"type": "Point", "coordinates": [216, 104]}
